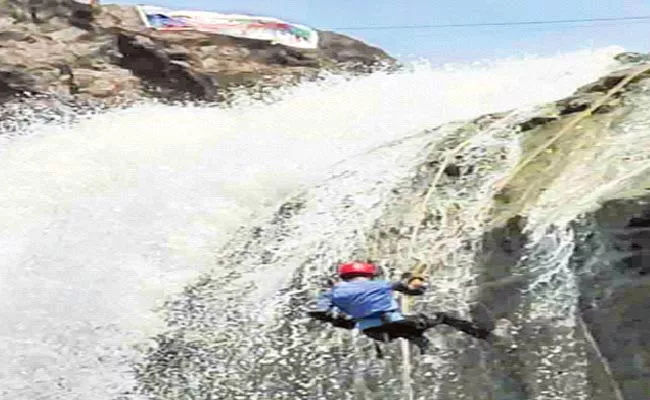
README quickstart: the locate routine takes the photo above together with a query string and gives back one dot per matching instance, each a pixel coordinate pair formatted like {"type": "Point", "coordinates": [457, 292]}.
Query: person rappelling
{"type": "Point", "coordinates": [360, 300]}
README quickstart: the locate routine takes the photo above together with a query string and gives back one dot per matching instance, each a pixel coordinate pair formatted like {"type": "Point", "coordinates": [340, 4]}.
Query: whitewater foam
{"type": "Point", "coordinates": [101, 220]}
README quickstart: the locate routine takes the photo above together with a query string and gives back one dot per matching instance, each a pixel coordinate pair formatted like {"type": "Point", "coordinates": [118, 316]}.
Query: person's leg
{"type": "Point", "coordinates": [379, 333]}
{"type": "Point", "coordinates": [468, 327]}
{"type": "Point", "coordinates": [415, 325]}
{"type": "Point", "coordinates": [337, 321]}
{"type": "Point", "coordinates": [412, 327]}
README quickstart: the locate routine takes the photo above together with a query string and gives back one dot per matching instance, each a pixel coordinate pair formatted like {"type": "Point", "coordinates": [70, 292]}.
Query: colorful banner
{"type": "Point", "coordinates": [246, 26]}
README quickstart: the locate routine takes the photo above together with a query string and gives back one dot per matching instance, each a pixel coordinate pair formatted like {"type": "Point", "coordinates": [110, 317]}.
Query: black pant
{"type": "Point", "coordinates": [413, 326]}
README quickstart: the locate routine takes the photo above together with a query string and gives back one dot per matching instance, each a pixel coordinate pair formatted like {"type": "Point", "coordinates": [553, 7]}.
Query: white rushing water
{"type": "Point", "coordinates": [100, 221]}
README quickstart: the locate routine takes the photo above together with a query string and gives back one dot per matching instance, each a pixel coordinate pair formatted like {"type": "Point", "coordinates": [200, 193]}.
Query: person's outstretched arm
{"type": "Point", "coordinates": [325, 312]}
{"type": "Point", "coordinates": [410, 285]}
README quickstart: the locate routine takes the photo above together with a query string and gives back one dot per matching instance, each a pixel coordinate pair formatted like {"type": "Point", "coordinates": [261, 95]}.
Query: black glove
{"type": "Point", "coordinates": [343, 322]}
{"type": "Point", "coordinates": [324, 316]}
{"type": "Point", "coordinates": [338, 321]}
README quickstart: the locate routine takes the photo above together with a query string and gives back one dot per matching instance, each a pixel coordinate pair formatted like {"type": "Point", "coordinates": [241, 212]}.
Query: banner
{"type": "Point", "coordinates": [245, 26]}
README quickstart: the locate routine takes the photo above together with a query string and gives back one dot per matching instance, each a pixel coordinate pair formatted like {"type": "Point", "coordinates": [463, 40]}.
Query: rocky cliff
{"type": "Point", "coordinates": [74, 51]}
{"type": "Point", "coordinates": [542, 215]}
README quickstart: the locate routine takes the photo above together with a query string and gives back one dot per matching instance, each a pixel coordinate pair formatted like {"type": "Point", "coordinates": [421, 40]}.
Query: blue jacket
{"type": "Point", "coordinates": [366, 301]}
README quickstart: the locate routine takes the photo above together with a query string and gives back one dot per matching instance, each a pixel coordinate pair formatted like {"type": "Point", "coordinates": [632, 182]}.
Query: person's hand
{"type": "Point", "coordinates": [417, 282]}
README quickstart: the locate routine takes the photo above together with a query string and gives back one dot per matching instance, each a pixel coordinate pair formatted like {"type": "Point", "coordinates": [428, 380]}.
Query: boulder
{"type": "Point", "coordinates": [69, 47]}
{"type": "Point", "coordinates": [614, 290]}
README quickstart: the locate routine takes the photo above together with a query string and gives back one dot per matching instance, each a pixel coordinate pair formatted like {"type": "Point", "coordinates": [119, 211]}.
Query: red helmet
{"type": "Point", "coordinates": [357, 269]}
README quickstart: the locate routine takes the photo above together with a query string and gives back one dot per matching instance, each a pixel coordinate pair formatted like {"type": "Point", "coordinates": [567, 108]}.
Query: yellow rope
{"type": "Point", "coordinates": [597, 104]}
{"type": "Point", "coordinates": [421, 268]}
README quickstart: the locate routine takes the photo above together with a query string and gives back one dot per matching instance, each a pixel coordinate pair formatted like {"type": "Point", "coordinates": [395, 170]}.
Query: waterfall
{"type": "Point", "coordinates": [141, 247]}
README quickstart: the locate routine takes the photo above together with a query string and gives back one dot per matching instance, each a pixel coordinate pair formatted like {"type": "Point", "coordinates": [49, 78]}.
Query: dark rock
{"type": "Point", "coordinates": [66, 70]}
{"type": "Point", "coordinates": [14, 81]}
{"type": "Point", "coordinates": [614, 289]}
{"type": "Point", "coordinates": [583, 101]}
{"type": "Point", "coordinates": [632, 58]}
{"type": "Point", "coordinates": [499, 284]}
{"type": "Point", "coordinates": [535, 122]}
{"type": "Point", "coordinates": [288, 210]}
{"type": "Point", "coordinates": [486, 120]}
{"type": "Point", "coordinates": [578, 102]}
{"type": "Point", "coordinates": [344, 49]}
{"type": "Point", "coordinates": [502, 296]}
{"type": "Point", "coordinates": [256, 232]}
{"type": "Point", "coordinates": [281, 55]}
{"type": "Point", "coordinates": [178, 53]}
{"type": "Point", "coordinates": [607, 82]}
{"type": "Point", "coordinates": [452, 170]}
{"type": "Point", "coordinates": [148, 60]}
{"type": "Point", "coordinates": [142, 56]}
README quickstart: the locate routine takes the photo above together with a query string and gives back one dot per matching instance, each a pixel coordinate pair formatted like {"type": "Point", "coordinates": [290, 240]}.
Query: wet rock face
{"type": "Point", "coordinates": [499, 287]}
{"type": "Point", "coordinates": [13, 81]}
{"type": "Point", "coordinates": [170, 72]}
{"type": "Point", "coordinates": [70, 49]}
{"type": "Point", "coordinates": [614, 264]}
{"type": "Point", "coordinates": [346, 50]}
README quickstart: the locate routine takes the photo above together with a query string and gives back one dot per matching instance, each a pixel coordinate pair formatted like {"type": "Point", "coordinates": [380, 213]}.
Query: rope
{"type": "Point", "coordinates": [421, 267]}
{"type": "Point", "coordinates": [603, 361]}
{"type": "Point", "coordinates": [419, 270]}
{"type": "Point", "coordinates": [597, 104]}
{"type": "Point", "coordinates": [429, 193]}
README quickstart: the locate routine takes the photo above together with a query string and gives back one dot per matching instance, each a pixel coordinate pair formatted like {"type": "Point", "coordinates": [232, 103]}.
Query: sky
{"type": "Point", "coordinates": [454, 44]}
